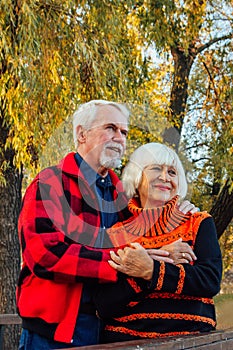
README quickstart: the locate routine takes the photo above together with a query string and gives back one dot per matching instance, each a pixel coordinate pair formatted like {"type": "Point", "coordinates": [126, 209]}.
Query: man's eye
{"type": "Point", "coordinates": [124, 132]}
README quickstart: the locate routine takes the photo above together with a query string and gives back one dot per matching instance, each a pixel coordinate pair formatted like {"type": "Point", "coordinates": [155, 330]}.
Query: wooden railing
{"type": "Point", "coordinates": [209, 341]}
{"type": "Point", "coordinates": [220, 339]}
{"type": "Point", "coordinates": [7, 320]}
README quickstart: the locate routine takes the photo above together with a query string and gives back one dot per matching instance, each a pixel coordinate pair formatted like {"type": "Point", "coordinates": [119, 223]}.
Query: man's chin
{"type": "Point", "coordinates": [111, 163]}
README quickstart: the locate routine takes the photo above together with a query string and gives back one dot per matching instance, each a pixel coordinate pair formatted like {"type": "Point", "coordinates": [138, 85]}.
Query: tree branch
{"type": "Point", "coordinates": [213, 41]}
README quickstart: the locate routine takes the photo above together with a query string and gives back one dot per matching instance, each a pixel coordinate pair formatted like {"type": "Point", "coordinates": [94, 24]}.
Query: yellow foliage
{"type": "Point", "coordinates": [61, 54]}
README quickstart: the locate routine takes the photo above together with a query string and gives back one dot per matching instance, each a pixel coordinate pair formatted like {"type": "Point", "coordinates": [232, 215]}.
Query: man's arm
{"type": "Point", "coordinates": [47, 248]}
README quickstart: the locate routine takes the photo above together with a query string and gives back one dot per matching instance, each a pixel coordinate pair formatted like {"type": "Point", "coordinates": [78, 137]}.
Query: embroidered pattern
{"type": "Point", "coordinates": [156, 295]}
{"type": "Point", "coordinates": [177, 316]}
{"type": "Point", "coordinates": [145, 334]}
{"type": "Point", "coordinates": [181, 279]}
{"type": "Point", "coordinates": [161, 275]}
{"type": "Point", "coordinates": [134, 285]}
{"type": "Point", "coordinates": [133, 303]}
{"type": "Point", "coordinates": [149, 223]}
{"type": "Point", "coordinates": [154, 228]}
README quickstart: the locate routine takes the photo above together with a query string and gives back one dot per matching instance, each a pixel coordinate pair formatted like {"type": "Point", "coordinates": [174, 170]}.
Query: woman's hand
{"type": "Point", "coordinates": [180, 252]}
{"type": "Point", "coordinates": [133, 261]}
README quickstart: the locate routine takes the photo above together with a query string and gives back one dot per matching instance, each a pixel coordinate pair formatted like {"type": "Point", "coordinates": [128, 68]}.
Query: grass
{"type": "Point", "coordinates": [224, 307]}
{"type": "Point", "coordinates": [223, 298]}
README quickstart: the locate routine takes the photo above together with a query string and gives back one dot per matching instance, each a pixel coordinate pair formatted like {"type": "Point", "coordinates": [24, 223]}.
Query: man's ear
{"type": "Point", "coordinates": [81, 134]}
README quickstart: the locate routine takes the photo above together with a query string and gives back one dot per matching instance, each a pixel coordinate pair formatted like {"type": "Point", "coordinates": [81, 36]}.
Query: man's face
{"type": "Point", "coordinates": [105, 141]}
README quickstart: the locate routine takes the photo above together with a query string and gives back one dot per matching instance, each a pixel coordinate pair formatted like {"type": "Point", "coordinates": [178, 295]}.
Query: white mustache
{"type": "Point", "coordinates": [116, 146]}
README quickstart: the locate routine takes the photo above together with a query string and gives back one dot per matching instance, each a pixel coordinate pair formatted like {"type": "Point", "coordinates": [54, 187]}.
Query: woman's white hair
{"type": "Point", "coordinates": [86, 113]}
{"type": "Point", "coordinates": [149, 154]}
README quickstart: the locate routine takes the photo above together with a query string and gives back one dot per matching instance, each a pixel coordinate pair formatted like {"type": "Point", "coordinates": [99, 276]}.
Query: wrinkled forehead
{"type": "Point", "coordinates": [110, 114]}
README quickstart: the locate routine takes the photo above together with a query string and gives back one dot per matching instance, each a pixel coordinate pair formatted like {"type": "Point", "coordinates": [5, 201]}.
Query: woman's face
{"type": "Point", "coordinates": [158, 185]}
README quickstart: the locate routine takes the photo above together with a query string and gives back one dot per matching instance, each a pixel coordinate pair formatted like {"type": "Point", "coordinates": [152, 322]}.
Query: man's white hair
{"type": "Point", "coordinates": [86, 113]}
{"type": "Point", "coordinates": [149, 154]}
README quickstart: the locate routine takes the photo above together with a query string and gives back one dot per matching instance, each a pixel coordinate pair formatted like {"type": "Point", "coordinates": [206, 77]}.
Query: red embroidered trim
{"type": "Point", "coordinates": [187, 317]}
{"type": "Point", "coordinates": [166, 238]}
{"type": "Point", "coordinates": [145, 334]}
{"type": "Point", "coordinates": [134, 285]}
{"type": "Point", "coordinates": [161, 275]}
{"type": "Point", "coordinates": [133, 303]}
{"type": "Point", "coordinates": [181, 279]}
{"type": "Point", "coordinates": [156, 295]}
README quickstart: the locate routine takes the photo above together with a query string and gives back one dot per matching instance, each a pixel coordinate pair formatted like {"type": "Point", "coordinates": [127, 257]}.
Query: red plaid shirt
{"type": "Point", "coordinates": [58, 225]}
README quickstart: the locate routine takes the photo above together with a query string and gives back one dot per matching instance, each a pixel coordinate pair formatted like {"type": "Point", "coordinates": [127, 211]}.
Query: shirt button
{"type": "Point", "coordinates": [102, 180]}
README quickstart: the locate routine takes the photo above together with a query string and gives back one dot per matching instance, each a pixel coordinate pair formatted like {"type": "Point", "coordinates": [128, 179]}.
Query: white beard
{"type": "Point", "coordinates": [109, 163]}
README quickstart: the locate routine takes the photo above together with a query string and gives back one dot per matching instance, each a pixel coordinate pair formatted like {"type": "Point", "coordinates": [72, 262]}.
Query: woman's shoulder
{"type": "Point", "coordinates": [201, 215]}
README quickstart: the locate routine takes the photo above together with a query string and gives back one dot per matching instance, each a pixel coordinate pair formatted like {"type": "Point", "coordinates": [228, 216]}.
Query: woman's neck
{"type": "Point", "coordinates": [154, 204]}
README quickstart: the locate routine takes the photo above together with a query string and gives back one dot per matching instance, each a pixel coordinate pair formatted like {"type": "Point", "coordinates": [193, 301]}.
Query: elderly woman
{"type": "Point", "coordinates": [174, 298]}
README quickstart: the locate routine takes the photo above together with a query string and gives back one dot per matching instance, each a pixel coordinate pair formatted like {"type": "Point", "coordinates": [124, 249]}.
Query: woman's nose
{"type": "Point", "coordinates": [163, 174]}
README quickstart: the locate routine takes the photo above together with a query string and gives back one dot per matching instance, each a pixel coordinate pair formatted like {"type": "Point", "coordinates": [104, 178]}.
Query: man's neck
{"type": "Point", "coordinates": [101, 170]}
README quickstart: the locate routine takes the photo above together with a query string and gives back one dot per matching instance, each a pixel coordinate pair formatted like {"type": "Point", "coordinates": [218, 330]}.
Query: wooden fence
{"type": "Point", "coordinates": [7, 320]}
{"type": "Point", "coordinates": [217, 340]}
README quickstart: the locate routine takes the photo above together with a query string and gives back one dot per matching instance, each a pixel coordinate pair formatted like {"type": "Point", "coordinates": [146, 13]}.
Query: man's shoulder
{"type": "Point", "coordinates": [50, 173]}
{"type": "Point", "coordinates": [66, 165]}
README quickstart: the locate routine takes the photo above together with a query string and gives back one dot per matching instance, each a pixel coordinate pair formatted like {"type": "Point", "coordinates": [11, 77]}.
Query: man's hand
{"type": "Point", "coordinates": [186, 207]}
{"type": "Point", "coordinates": [133, 261]}
{"type": "Point", "coordinates": [180, 252]}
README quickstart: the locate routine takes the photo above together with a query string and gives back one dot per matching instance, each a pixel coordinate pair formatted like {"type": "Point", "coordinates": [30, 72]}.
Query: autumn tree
{"type": "Point", "coordinates": [197, 37]}
{"type": "Point", "coordinates": [54, 55]}
{"type": "Point", "coordinates": [166, 58]}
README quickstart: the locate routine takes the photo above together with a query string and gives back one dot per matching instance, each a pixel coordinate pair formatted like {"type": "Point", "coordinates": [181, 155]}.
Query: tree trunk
{"type": "Point", "coordinates": [222, 210]}
{"type": "Point", "coordinates": [179, 94]}
{"type": "Point", "coordinates": [10, 194]}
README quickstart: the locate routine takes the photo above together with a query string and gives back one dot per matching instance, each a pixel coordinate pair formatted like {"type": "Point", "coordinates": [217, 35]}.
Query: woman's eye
{"type": "Point", "coordinates": [156, 168]}
{"type": "Point", "coordinates": [172, 172]}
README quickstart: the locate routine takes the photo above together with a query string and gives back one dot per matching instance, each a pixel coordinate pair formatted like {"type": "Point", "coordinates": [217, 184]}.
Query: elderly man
{"type": "Point", "coordinates": [65, 212]}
